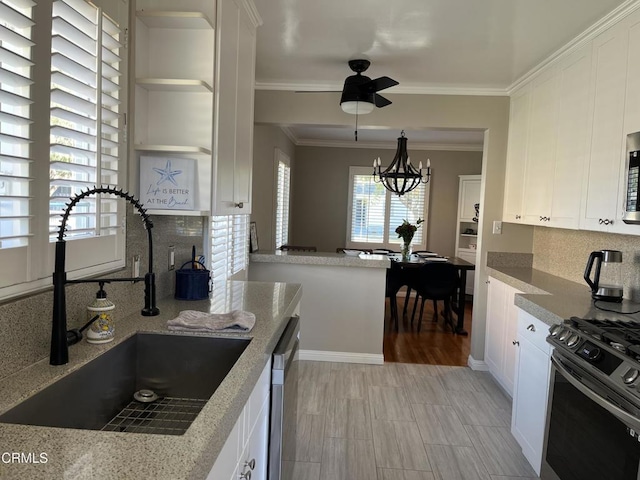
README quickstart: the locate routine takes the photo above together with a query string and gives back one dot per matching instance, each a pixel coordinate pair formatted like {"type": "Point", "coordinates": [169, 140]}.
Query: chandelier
{"type": "Point", "coordinates": [401, 177]}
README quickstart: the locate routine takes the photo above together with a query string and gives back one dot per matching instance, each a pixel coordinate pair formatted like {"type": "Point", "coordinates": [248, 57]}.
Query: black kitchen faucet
{"type": "Point", "coordinates": [60, 337]}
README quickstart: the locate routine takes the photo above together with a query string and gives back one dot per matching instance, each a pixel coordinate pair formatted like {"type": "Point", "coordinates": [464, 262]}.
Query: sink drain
{"type": "Point", "coordinates": [145, 396]}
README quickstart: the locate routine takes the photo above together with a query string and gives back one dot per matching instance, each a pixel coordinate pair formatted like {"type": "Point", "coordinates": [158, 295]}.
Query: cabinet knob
{"type": "Point", "coordinates": [251, 464]}
{"type": "Point", "coordinates": [240, 205]}
{"type": "Point", "coordinates": [246, 475]}
{"type": "Point", "coordinates": [518, 217]}
{"type": "Point", "coordinates": [516, 343]}
{"type": "Point", "coordinates": [531, 328]}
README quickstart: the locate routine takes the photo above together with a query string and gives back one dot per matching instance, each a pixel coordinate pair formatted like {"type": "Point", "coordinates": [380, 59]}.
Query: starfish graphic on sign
{"type": "Point", "coordinates": [166, 174]}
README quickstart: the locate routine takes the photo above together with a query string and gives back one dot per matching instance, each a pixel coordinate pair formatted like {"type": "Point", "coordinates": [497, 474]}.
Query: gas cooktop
{"type": "Point", "coordinates": [610, 349]}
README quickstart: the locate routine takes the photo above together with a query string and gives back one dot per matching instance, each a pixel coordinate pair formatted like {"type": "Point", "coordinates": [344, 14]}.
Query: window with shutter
{"type": "Point", "coordinates": [77, 78]}
{"type": "Point", "coordinates": [374, 212]}
{"type": "Point", "coordinates": [283, 182]}
{"type": "Point", "coordinates": [229, 246]}
{"type": "Point", "coordinates": [86, 136]}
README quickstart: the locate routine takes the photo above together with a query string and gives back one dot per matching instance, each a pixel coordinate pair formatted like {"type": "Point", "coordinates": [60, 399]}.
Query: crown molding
{"type": "Point", "coordinates": [589, 34]}
{"type": "Point", "coordinates": [415, 146]}
{"type": "Point", "coordinates": [253, 13]}
{"type": "Point", "coordinates": [414, 90]}
{"type": "Point", "coordinates": [290, 134]}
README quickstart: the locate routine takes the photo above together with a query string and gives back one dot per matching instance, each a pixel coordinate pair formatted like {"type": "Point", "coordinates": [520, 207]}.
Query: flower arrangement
{"type": "Point", "coordinates": [406, 231]}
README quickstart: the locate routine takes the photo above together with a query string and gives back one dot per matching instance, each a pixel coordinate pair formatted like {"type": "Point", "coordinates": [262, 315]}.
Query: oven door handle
{"type": "Point", "coordinates": [616, 411]}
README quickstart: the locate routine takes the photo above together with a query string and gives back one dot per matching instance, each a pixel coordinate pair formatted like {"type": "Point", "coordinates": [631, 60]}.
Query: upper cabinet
{"type": "Point", "coordinates": [194, 64]}
{"type": "Point", "coordinates": [548, 143]}
{"type": "Point", "coordinates": [567, 131]}
{"type": "Point", "coordinates": [233, 114]}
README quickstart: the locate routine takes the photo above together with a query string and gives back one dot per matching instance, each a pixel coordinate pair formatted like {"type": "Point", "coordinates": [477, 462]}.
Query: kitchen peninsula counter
{"type": "Point", "coordinates": [342, 315]}
{"type": "Point", "coordinates": [553, 299]}
{"type": "Point", "coordinates": [74, 453]}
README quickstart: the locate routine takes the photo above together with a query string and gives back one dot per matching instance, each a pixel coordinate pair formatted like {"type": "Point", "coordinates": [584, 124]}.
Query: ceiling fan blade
{"type": "Point", "coordinates": [380, 101]}
{"type": "Point", "coordinates": [378, 84]}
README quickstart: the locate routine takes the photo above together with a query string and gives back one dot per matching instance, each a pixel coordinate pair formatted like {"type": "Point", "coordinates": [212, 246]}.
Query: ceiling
{"type": "Point", "coordinates": [476, 47]}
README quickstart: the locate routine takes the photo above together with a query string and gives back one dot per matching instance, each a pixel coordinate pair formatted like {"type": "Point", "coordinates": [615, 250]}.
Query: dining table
{"type": "Point", "coordinates": [458, 305]}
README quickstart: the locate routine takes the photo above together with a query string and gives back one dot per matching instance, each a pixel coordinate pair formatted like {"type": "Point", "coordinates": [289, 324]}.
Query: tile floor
{"type": "Point", "coordinates": [403, 422]}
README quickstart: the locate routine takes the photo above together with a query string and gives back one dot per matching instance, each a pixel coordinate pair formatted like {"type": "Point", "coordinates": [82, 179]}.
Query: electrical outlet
{"type": "Point", "coordinates": [497, 227]}
{"type": "Point", "coordinates": [136, 266]}
{"type": "Point", "coordinates": [172, 257]}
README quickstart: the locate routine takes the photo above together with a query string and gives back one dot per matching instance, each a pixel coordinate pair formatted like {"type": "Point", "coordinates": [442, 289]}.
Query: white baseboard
{"type": "Point", "coordinates": [341, 357]}
{"type": "Point", "coordinates": [479, 365]}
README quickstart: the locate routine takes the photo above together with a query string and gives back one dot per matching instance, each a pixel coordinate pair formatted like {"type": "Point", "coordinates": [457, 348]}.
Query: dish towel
{"type": "Point", "coordinates": [194, 321]}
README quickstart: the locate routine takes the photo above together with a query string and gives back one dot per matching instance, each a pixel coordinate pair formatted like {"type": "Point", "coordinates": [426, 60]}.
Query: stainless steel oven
{"type": "Point", "coordinates": [284, 403]}
{"type": "Point", "coordinates": [593, 414]}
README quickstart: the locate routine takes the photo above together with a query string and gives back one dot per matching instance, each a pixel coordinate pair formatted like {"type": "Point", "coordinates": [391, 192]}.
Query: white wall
{"type": "Point", "coordinates": [427, 111]}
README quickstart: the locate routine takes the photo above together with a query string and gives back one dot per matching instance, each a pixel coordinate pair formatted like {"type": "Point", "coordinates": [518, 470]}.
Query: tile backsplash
{"type": "Point", "coordinates": [25, 322]}
{"type": "Point", "coordinates": [564, 253]}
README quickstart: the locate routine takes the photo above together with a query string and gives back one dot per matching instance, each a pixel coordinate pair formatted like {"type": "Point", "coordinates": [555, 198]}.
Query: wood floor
{"type": "Point", "coordinates": [435, 344]}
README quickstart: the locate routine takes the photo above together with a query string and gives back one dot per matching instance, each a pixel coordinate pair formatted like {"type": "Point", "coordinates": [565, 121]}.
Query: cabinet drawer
{"type": "Point", "coordinates": [534, 330]}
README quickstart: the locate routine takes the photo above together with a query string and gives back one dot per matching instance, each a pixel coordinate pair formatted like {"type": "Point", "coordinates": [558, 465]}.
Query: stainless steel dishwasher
{"type": "Point", "coordinates": [284, 403]}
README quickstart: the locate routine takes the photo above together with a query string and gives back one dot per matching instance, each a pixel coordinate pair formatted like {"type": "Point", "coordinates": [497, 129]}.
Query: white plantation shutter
{"type": "Point", "coordinates": [368, 207]}
{"type": "Point", "coordinates": [374, 212]}
{"type": "Point", "coordinates": [15, 121]}
{"type": "Point", "coordinates": [282, 203]}
{"type": "Point", "coordinates": [85, 117]}
{"type": "Point", "coordinates": [229, 245]}
{"type": "Point", "coordinates": [408, 207]}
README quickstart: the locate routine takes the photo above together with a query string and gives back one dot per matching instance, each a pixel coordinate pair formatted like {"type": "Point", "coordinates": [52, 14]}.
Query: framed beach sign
{"type": "Point", "coordinates": [167, 183]}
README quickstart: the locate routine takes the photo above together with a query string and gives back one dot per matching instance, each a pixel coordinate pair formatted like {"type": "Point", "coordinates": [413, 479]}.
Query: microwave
{"type": "Point", "coordinates": [632, 200]}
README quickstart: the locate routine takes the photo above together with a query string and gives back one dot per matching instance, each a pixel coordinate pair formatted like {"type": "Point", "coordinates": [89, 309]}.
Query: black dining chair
{"type": "Point", "coordinates": [412, 279]}
{"type": "Point", "coordinates": [436, 281]}
{"type": "Point", "coordinates": [395, 281]}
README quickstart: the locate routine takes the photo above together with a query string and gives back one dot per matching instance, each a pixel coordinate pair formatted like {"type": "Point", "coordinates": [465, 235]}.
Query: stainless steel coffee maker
{"type": "Point", "coordinates": [607, 279]}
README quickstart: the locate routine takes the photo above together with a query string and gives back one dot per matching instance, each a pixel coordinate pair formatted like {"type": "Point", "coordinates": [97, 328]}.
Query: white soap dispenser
{"type": "Point", "coordinates": [101, 329]}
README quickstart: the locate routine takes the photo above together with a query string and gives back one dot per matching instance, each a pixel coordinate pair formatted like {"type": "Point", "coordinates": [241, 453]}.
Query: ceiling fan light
{"type": "Point", "coordinates": [359, 108]}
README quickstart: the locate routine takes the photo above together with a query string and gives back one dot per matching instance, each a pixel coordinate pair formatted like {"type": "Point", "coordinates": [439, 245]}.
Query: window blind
{"type": "Point", "coordinates": [374, 213]}
{"type": "Point", "coordinates": [282, 204]}
{"type": "Point", "coordinates": [410, 207]}
{"type": "Point", "coordinates": [368, 210]}
{"type": "Point", "coordinates": [15, 120]}
{"type": "Point", "coordinates": [85, 117]}
{"type": "Point", "coordinates": [229, 245]}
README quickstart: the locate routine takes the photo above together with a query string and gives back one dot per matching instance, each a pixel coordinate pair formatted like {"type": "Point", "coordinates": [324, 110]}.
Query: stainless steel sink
{"type": "Point", "coordinates": [183, 371]}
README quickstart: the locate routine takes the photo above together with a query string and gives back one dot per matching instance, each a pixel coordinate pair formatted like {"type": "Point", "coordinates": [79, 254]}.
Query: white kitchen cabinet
{"type": "Point", "coordinates": [466, 242]}
{"type": "Point", "coordinates": [174, 89]}
{"type": "Point", "coordinates": [246, 448]}
{"type": "Point", "coordinates": [531, 389]}
{"type": "Point", "coordinates": [194, 95]}
{"type": "Point", "coordinates": [540, 149]}
{"type": "Point", "coordinates": [233, 111]}
{"type": "Point", "coordinates": [608, 80]}
{"type": "Point", "coordinates": [516, 155]}
{"type": "Point", "coordinates": [572, 139]}
{"type": "Point", "coordinates": [501, 325]}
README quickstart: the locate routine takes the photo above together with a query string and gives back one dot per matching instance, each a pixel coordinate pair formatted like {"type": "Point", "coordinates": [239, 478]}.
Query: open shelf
{"type": "Point", "coordinates": [177, 149]}
{"type": "Point", "coordinates": [174, 85]}
{"type": "Point", "coordinates": [170, 19]}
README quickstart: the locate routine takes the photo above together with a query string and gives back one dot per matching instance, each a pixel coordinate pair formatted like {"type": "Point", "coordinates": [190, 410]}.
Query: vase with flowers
{"type": "Point", "coordinates": [406, 231]}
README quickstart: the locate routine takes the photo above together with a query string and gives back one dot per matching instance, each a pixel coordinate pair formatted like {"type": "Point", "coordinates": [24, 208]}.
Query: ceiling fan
{"type": "Point", "coordinates": [359, 94]}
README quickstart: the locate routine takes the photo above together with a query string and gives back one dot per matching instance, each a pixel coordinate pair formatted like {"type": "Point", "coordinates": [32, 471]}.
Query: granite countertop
{"type": "Point", "coordinates": [73, 453]}
{"type": "Point", "coordinates": [321, 258]}
{"type": "Point", "coordinates": [553, 299]}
